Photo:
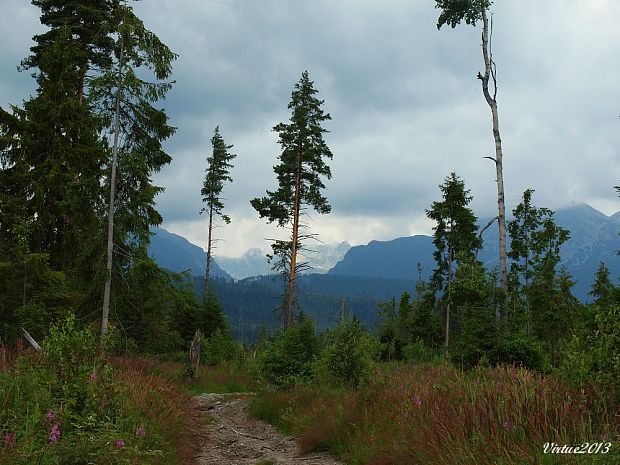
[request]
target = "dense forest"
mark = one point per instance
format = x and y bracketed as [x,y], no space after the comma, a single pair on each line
[77,201]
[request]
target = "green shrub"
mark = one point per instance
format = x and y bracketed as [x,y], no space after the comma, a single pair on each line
[288,359]
[349,355]
[519,349]
[220,349]
[418,351]
[594,352]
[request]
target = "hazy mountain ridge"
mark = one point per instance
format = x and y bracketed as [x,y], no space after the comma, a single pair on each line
[177,254]
[594,238]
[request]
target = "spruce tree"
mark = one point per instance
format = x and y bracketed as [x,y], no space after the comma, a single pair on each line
[300,172]
[126,102]
[455,236]
[56,155]
[90,25]
[217,173]
[522,230]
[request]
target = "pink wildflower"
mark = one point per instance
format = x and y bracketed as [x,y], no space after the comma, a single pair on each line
[119,443]
[508,425]
[477,381]
[51,416]
[54,434]
[9,439]
[93,376]
[140,432]
[417,400]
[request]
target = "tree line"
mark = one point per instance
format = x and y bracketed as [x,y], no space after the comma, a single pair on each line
[77,201]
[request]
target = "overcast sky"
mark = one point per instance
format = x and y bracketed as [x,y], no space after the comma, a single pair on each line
[405,104]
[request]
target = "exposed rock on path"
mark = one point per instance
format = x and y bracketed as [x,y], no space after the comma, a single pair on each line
[234,437]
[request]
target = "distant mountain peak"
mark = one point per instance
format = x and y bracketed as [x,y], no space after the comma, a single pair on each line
[177,254]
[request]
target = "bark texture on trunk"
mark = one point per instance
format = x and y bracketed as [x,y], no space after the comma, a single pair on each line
[205,294]
[489,74]
[110,245]
[295,236]
[447,340]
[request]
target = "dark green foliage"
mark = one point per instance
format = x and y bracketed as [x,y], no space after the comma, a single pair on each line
[90,25]
[289,358]
[475,302]
[302,157]
[541,302]
[388,331]
[455,234]
[522,350]
[455,11]
[143,127]
[219,348]
[603,290]
[412,331]
[54,155]
[349,355]
[426,323]
[593,354]
[300,179]
[148,306]
[217,173]
[527,220]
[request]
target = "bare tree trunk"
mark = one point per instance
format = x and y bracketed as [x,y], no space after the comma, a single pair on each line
[291,279]
[447,341]
[205,295]
[110,248]
[489,73]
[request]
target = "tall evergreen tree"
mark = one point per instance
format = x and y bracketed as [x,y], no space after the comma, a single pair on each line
[90,25]
[454,235]
[474,295]
[56,155]
[217,173]
[126,102]
[453,12]
[300,172]
[523,230]
[551,302]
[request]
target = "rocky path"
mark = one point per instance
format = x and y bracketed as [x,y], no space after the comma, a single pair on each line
[234,437]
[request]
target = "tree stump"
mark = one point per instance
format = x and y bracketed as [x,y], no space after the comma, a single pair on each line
[194,355]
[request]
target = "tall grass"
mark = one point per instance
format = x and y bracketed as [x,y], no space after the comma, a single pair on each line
[220,379]
[441,415]
[118,413]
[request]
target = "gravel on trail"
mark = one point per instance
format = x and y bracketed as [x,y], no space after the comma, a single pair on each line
[234,437]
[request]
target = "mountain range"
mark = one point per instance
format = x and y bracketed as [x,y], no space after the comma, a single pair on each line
[320,257]
[594,238]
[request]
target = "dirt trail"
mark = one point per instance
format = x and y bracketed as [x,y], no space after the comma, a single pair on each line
[234,437]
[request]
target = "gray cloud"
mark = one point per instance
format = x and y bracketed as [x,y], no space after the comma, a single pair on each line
[406,106]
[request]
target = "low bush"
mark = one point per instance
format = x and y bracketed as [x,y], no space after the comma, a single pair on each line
[289,358]
[349,355]
[220,349]
[519,349]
